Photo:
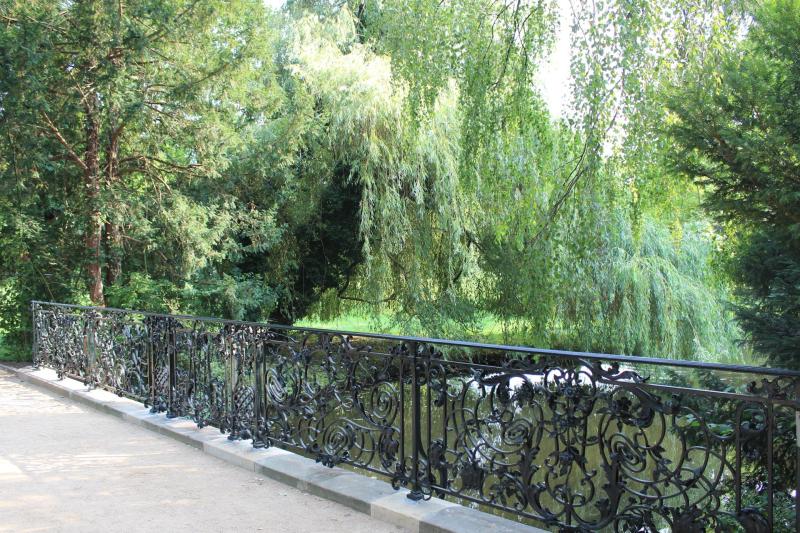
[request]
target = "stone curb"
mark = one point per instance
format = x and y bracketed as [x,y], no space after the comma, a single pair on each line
[359,492]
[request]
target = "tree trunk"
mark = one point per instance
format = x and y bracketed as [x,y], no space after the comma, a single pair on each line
[113,233]
[94,230]
[93,239]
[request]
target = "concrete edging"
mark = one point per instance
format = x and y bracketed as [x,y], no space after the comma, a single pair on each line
[364,494]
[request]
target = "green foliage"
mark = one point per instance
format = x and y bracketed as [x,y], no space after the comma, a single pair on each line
[119,120]
[384,159]
[489,50]
[645,291]
[738,136]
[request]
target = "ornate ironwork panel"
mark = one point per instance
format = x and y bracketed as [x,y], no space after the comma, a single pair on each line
[564,440]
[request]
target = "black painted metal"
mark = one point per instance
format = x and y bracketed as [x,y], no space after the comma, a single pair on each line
[574,441]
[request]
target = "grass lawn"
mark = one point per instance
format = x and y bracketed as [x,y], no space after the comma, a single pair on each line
[357,323]
[489,330]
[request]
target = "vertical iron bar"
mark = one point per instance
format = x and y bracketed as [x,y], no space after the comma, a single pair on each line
[428,413]
[258,363]
[737,473]
[35,340]
[194,365]
[253,346]
[227,351]
[797,470]
[770,473]
[443,481]
[403,432]
[233,432]
[210,390]
[90,353]
[148,352]
[171,348]
[416,490]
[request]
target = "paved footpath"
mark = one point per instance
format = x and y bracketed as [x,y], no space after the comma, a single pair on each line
[65,467]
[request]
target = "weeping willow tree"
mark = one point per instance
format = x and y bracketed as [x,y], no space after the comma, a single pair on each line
[667,292]
[406,173]
[453,92]
[478,203]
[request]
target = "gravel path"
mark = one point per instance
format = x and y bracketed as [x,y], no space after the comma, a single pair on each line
[65,467]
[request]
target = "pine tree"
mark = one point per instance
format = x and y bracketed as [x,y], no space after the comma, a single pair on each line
[738,133]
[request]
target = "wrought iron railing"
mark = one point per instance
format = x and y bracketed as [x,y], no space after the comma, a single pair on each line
[572,441]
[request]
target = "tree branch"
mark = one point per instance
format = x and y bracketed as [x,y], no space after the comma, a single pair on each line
[72,155]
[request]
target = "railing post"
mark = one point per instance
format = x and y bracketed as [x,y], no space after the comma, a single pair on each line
[151,374]
[416,423]
[173,382]
[90,352]
[257,359]
[260,376]
[37,361]
[797,468]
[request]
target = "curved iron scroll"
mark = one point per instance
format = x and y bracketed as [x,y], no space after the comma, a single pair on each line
[573,442]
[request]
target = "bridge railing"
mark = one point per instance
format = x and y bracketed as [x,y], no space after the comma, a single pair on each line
[569,440]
